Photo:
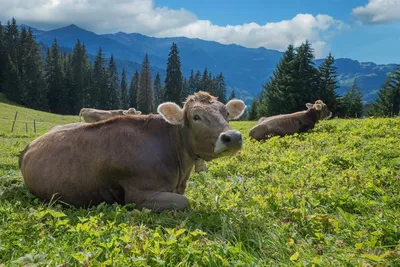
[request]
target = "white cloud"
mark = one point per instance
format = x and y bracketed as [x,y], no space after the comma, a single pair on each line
[378,11]
[104,16]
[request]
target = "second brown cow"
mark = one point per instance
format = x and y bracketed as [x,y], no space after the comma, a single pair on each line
[287,124]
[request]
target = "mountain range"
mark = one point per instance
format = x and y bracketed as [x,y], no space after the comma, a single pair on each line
[245,69]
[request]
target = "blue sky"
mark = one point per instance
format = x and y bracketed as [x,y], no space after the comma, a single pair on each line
[365,30]
[371,42]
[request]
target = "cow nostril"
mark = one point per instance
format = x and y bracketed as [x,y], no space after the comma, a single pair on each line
[225,138]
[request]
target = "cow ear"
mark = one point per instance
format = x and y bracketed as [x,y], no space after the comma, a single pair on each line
[235,108]
[309,105]
[171,112]
[318,106]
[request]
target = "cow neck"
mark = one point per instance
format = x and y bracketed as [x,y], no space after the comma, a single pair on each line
[186,143]
[312,114]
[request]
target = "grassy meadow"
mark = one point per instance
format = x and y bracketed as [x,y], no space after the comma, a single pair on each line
[330,197]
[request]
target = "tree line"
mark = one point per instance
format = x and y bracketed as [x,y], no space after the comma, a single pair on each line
[297,81]
[64,83]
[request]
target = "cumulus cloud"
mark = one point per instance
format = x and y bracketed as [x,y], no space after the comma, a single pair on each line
[378,12]
[104,16]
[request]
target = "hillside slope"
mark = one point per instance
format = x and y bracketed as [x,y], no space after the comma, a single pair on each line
[329,197]
[25,119]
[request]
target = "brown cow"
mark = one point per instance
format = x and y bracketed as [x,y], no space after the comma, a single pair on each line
[145,160]
[132,111]
[288,124]
[94,115]
[199,164]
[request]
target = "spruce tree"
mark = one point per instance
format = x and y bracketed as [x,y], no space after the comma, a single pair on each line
[12,40]
[232,95]
[173,81]
[55,79]
[133,88]
[99,96]
[328,84]
[124,91]
[279,93]
[253,113]
[191,84]
[305,78]
[3,56]
[145,91]
[197,81]
[220,88]
[35,83]
[352,102]
[205,81]
[71,95]
[157,91]
[388,99]
[113,85]
[12,79]
[80,79]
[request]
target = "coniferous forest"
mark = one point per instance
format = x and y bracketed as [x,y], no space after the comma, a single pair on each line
[63,83]
[51,80]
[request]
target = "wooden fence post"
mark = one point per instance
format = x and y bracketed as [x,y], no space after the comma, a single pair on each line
[34,126]
[15,118]
[26,127]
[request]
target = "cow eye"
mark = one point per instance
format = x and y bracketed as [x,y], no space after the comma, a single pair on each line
[196,118]
[227,114]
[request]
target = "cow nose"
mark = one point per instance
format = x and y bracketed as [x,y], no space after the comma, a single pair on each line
[231,138]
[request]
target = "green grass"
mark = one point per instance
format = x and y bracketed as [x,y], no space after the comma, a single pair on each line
[330,197]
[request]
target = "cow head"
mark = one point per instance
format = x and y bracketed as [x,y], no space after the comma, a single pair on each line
[321,108]
[132,111]
[206,121]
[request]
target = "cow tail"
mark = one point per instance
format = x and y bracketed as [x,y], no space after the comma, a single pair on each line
[21,156]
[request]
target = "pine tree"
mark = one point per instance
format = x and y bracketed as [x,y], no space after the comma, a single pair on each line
[305,78]
[173,81]
[191,84]
[99,94]
[253,113]
[3,56]
[71,98]
[328,84]
[278,94]
[35,83]
[80,82]
[352,102]
[113,85]
[197,81]
[233,95]
[12,79]
[133,88]
[55,79]
[124,91]
[12,40]
[220,88]
[388,100]
[145,91]
[205,81]
[157,91]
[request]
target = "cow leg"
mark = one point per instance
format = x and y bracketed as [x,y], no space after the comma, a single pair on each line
[161,201]
[200,166]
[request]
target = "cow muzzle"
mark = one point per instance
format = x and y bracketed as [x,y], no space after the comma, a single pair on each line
[228,141]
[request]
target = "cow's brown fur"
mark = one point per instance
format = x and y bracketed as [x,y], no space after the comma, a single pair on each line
[287,124]
[94,115]
[127,159]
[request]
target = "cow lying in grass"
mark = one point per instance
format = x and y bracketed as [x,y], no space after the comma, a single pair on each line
[287,124]
[145,160]
[94,115]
